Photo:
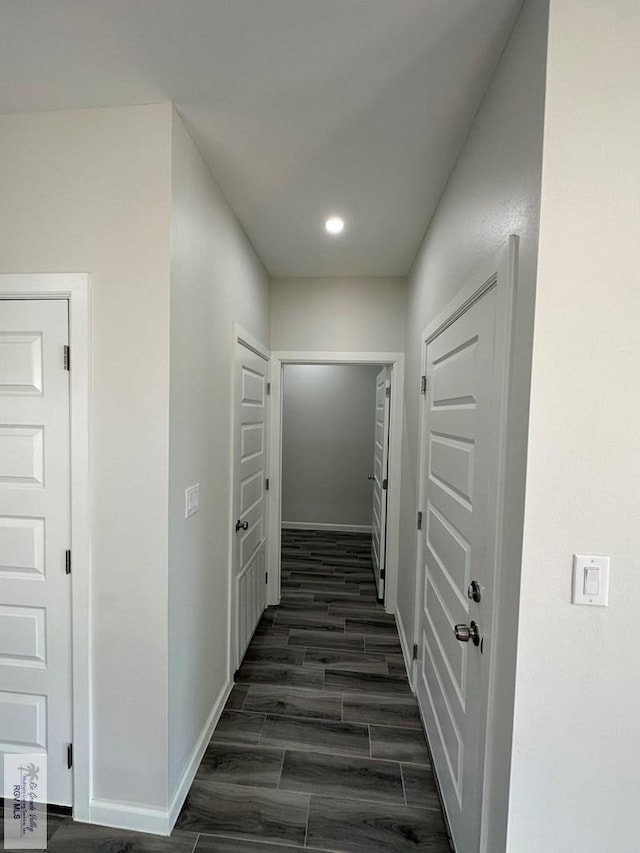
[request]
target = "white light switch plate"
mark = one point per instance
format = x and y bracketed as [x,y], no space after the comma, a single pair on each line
[192,500]
[590,580]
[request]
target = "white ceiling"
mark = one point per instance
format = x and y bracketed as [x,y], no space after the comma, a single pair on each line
[302,108]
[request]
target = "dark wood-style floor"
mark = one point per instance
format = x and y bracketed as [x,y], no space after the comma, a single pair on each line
[320,746]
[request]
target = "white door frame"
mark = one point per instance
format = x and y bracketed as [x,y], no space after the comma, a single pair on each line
[244,337]
[73,287]
[395,360]
[499,270]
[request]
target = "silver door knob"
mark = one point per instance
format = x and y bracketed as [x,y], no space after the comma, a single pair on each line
[371,477]
[464,633]
[242,525]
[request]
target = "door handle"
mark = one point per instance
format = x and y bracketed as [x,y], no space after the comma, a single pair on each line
[474,592]
[371,477]
[464,633]
[242,525]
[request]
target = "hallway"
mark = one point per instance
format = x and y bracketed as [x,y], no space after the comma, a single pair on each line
[320,744]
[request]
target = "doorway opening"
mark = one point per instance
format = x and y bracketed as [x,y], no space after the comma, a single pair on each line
[332,488]
[335,440]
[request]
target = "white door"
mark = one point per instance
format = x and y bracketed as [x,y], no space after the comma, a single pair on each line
[459,493]
[381,478]
[250,473]
[35,591]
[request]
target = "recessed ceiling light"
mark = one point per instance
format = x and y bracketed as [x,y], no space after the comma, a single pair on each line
[334,225]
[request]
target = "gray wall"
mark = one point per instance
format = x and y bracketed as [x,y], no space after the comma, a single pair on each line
[216,278]
[327,443]
[340,314]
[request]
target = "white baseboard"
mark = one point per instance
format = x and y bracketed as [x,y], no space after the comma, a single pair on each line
[195,758]
[129,816]
[406,649]
[317,525]
[155,820]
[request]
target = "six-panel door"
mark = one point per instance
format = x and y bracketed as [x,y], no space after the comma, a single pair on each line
[35,591]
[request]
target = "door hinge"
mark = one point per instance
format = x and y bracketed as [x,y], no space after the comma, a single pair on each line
[387,392]
[67,357]
[67,562]
[383,574]
[419,521]
[415,651]
[69,756]
[423,385]
[266,577]
[385,483]
[266,484]
[268,389]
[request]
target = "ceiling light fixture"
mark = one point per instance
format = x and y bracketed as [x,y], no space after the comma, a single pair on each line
[334,225]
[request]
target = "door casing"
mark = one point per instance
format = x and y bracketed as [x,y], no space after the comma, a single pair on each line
[498,270]
[394,360]
[74,288]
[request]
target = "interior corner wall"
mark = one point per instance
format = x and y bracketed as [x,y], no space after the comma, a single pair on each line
[216,279]
[576,752]
[493,192]
[88,191]
[328,434]
[339,315]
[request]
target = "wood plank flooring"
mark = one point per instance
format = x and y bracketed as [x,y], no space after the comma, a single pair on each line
[320,746]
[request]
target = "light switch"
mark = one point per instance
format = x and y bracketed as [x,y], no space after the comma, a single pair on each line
[192,500]
[590,580]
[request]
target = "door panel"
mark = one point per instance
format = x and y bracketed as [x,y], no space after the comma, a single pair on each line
[250,472]
[35,591]
[452,465]
[458,531]
[22,548]
[24,721]
[380,478]
[21,365]
[448,551]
